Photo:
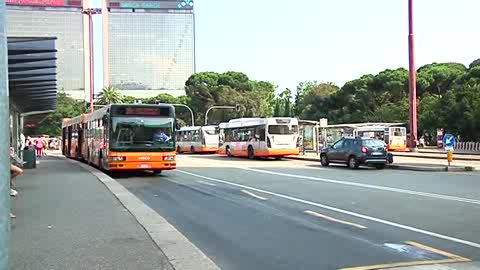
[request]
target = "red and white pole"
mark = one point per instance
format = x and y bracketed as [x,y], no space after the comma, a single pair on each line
[90,37]
[412,79]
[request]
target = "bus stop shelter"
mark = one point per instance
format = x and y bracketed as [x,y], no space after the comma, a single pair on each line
[32,82]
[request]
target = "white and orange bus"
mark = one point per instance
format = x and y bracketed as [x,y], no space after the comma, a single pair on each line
[126,137]
[395,137]
[200,139]
[259,137]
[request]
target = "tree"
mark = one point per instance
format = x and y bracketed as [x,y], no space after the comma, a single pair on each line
[438,78]
[207,89]
[316,103]
[67,107]
[475,63]
[110,95]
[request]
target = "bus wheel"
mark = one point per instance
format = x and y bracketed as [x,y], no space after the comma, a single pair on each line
[251,153]
[229,151]
[192,149]
[157,171]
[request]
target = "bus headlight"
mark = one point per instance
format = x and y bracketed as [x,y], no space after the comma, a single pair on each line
[169,158]
[118,158]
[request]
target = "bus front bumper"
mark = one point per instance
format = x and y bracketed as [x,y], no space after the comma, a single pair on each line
[134,165]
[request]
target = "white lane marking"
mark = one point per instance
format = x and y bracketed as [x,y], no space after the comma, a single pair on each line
[399,190]
[205,183]
[253,195]
[315,214]
[379,220]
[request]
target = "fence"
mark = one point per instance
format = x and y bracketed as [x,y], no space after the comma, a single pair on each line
[468,146]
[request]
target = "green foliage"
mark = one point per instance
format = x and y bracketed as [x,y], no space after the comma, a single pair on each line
[67,107]
[109,95]
[448,96]
[207,89]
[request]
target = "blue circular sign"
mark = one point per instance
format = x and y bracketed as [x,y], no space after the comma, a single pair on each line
[449,140]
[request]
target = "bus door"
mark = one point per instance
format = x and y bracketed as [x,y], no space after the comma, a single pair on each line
[69,140]
[80,140]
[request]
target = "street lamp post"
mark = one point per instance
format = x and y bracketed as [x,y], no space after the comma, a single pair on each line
[181,105]
[90,12]
[191,112]
[236,107]
[412,79]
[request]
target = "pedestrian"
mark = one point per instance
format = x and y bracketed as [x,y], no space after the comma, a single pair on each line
[39,146]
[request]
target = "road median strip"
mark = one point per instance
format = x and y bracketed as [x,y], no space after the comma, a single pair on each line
[408,167]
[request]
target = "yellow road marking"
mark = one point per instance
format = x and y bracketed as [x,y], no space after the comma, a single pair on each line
[438,251]
[254,195]
[452,258]
[315,214]
[400,264]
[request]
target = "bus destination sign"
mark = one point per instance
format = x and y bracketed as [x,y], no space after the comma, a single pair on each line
[142,111]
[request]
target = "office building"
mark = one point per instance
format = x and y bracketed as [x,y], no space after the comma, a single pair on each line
[149,46]
[62,19]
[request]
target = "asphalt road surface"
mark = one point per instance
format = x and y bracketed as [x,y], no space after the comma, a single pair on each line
[289,214]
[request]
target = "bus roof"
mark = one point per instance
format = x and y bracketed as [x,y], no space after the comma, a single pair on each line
[246,122]
[190,128]
[73,121]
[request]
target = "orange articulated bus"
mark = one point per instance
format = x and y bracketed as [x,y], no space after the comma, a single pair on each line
[128,137]
[259,137]
[72,137]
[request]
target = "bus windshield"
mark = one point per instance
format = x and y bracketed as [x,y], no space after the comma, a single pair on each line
[282,129]
[142,134]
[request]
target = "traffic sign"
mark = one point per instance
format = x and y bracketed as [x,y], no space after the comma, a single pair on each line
[449,140]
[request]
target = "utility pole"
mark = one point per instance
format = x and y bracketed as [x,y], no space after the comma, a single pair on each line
[412,79]
[90,12]
[4,145]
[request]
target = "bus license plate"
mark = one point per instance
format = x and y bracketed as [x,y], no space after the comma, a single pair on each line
[377,153]
[144,166]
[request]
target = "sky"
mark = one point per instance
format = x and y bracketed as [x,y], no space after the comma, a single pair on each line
[287,42]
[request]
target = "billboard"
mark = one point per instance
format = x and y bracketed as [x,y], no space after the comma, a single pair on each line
[45,3]
[180,4]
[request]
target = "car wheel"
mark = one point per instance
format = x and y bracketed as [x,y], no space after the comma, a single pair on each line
[157,171]
[178,150]
[353,163]
[380,166]
[251,153]
[324,160]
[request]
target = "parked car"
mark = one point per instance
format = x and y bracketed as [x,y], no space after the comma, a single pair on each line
[356,151]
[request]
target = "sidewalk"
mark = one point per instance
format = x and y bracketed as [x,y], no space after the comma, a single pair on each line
[67,219]
[417,163]
[432,154]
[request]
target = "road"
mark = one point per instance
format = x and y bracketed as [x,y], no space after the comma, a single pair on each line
[292,214]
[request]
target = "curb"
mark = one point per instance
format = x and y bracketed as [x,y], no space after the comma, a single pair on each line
[434,157]
[180,252]
[411,168]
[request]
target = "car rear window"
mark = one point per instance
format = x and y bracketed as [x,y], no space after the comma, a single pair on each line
[373,143]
